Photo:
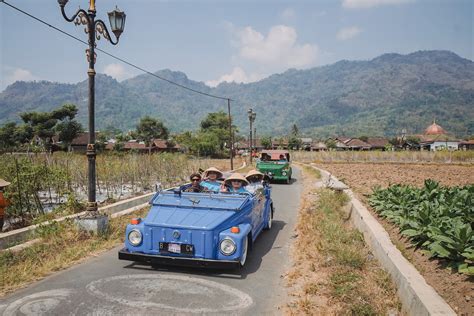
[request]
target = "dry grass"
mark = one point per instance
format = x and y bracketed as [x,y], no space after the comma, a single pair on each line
[334,271]
[61,246]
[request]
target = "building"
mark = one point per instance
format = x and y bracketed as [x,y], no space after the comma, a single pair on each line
[378,143]
[467,145]
[436,138]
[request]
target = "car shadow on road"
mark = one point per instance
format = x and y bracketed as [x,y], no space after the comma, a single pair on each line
[262,245]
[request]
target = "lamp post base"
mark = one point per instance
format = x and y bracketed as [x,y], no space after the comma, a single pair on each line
[97,224]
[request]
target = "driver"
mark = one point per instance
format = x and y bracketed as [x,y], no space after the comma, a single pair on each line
[195,185]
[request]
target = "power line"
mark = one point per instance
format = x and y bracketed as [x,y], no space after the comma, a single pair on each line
[115,57]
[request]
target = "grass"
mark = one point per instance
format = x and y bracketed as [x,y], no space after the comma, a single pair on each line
[313,172]
[61,246]
[334,271]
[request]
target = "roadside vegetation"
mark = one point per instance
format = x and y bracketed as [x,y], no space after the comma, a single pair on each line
[42,182]
[60,247]
[334,272]
[438,219]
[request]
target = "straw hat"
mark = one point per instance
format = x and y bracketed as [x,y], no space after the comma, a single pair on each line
[236,176]
[4,183]
[254,172]
[214,170]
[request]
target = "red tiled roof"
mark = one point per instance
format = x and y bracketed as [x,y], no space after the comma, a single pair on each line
[434,129]
[162,144]
[377,141]
[134,145]
[82,139]
[355,142]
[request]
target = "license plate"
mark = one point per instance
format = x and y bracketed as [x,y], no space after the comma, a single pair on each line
[184,249]
[175,248]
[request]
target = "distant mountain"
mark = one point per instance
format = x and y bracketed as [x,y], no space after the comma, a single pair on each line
[376,97]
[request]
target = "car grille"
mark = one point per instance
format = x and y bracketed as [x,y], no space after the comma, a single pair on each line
[202,240]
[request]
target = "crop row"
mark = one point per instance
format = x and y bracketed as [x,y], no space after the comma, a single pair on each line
[435,218]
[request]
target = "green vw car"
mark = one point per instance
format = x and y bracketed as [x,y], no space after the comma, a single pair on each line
[275,164]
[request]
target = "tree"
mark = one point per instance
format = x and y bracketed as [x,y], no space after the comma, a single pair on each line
[149,128]
[266,142]
[43,124]
[294,140]
[68,128]
[7,136]
[217,123]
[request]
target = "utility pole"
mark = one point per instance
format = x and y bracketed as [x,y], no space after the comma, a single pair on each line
[231,138]
[252,115]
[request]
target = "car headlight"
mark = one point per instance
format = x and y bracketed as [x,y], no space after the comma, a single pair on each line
[135,237]
[284,173]
[270,173]
[227,246]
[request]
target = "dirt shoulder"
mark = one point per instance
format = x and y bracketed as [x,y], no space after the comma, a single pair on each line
[333,270]
[455,288]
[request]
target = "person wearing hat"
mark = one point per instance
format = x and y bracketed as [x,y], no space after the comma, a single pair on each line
[195,185]
[235,183]
[210,179]
[255,179]
[3,202]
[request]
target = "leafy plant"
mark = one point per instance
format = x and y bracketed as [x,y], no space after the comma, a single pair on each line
[438,219]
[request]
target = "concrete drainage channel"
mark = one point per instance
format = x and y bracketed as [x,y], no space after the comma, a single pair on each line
[418,298]
[18,236]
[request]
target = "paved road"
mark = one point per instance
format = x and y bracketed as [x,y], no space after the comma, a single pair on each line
[106,286]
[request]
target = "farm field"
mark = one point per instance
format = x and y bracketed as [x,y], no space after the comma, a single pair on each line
[48,186]
[457,289]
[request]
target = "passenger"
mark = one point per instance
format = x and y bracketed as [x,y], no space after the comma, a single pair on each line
[210,179]
[195,185]
[235,184]
[255,179]
[282,158]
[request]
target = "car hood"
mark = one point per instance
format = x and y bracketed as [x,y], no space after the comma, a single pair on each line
[184,217]
[270,166]
[193,210]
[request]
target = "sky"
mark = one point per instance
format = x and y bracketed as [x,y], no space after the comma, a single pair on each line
[229,40]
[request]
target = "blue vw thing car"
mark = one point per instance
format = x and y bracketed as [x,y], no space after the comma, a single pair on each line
[213,230]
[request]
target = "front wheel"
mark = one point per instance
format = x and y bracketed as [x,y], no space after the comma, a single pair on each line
[268,226]
[245,247]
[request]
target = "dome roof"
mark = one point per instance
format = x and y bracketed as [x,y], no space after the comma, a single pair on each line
[434,129]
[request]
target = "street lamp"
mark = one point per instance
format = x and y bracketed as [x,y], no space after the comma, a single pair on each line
[252,115]
[95,29]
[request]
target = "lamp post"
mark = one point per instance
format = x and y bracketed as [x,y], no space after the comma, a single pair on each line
[94,29]
[231,138]
[252,115]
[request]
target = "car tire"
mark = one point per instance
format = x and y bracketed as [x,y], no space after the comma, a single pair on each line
[243,257]
[268,226]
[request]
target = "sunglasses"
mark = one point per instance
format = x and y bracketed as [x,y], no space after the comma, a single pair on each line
[193,180]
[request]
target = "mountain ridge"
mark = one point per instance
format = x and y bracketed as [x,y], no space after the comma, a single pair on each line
[367,97]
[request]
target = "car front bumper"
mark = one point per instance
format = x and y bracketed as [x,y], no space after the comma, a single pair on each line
[124,254]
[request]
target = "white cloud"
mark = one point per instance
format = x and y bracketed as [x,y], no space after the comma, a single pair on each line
[16,74]
[117,71]
[288,14]
[348,33]
[278,48]
[364,4]
[237,75]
